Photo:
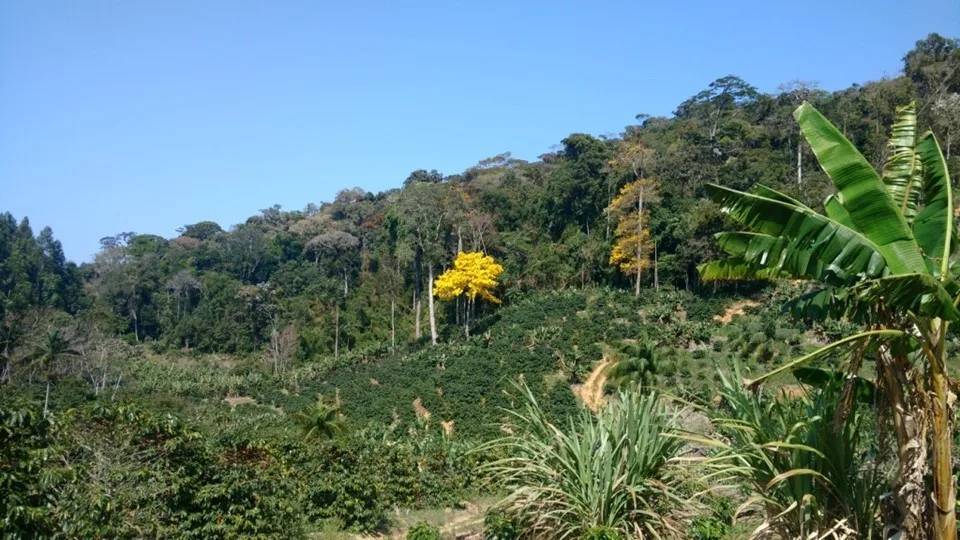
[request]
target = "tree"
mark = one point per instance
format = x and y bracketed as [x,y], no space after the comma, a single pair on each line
[934,66]
[946,110]
[799,92]
[881,255]
[181,286]
[421,176]
[576,192]
[339,248]
[636,363]
[53,348]
[721,96]
[283,345]
[321,420]
[473,274]
[632,249]
[203,230]
[423,209]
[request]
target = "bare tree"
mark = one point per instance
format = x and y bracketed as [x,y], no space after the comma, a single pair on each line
[283,345]
[799,91]
[946,110]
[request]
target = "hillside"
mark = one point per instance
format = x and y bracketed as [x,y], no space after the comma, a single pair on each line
[424,350]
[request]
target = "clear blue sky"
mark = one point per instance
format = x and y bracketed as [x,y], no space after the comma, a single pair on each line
[146,115]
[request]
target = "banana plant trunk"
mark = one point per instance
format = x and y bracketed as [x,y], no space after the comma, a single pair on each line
[944,491]
[911,435]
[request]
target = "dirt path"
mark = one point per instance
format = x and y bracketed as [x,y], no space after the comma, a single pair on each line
[737,308]
[592,390]
[470,519]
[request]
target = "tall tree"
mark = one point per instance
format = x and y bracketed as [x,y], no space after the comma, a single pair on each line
[51,350]
[424,212]
[633,247]
[337,248]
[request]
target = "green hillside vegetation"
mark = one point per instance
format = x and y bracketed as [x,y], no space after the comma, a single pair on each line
[633,369]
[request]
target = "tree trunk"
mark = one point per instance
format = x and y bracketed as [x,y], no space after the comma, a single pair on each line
[416,311]
[639,241]
[346,288]
[944,492]
[656,269]
[336,335]
[393,326]
[466,317]
[910,431]
[46,400]
[799,160]
[430,306]
[136,326]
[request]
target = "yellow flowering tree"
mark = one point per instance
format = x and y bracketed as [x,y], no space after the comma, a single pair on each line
[473,274]
[632,249]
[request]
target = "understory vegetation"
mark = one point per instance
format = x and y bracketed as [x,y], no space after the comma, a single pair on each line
[565,348]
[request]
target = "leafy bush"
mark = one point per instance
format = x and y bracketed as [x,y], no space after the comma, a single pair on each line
[135,474]
[602,532]
[716,524]
[29,440]
[423,531]
[497,526]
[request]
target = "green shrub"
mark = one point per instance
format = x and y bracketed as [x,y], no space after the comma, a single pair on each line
[717,524]
[423,531]
[497,526]
[136,474]
[602,532]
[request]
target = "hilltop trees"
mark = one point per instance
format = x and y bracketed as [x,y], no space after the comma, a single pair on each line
[570,219]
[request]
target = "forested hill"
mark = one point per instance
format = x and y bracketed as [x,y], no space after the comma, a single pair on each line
[354,273]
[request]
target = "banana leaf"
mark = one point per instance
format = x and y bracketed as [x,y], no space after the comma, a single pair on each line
[797,240]
[872,210]
[934,224]
[902,172]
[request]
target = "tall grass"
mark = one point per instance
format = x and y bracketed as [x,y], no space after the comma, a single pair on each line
[613,471]
[812,476]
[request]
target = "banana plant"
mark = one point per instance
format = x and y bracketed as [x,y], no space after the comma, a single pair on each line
[879,254]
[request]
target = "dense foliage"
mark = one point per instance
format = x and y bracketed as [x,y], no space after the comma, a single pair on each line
[348,271]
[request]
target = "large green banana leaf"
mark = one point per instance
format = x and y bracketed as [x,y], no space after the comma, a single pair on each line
[934,224]
[771,193]
[820,304]
[736,269]
[902,172]
[920,294]
[835,211]
[796,240]
[864,195]
[843,347]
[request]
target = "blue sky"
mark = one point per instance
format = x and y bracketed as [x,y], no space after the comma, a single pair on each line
[146,115]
